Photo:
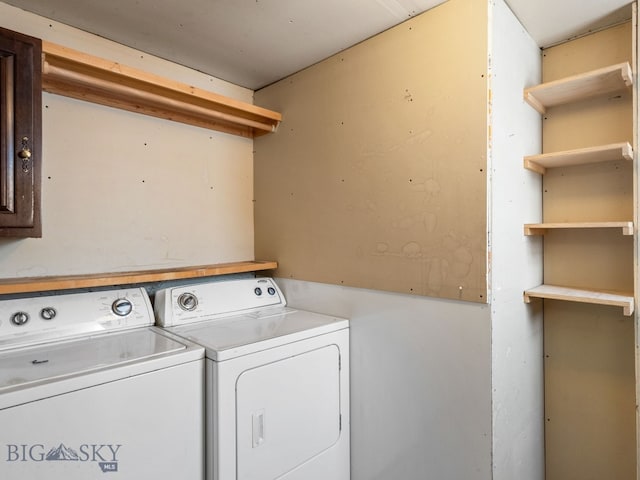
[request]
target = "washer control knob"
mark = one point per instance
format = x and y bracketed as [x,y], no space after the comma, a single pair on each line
[257,291]
[271,290]
[19,318]
[48,313]
[187,301]
[122,307]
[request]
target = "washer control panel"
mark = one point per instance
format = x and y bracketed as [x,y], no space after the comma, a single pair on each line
[25,321]
[206,301]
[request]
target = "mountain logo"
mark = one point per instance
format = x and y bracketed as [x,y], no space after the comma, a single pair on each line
[61,452]
[104,455]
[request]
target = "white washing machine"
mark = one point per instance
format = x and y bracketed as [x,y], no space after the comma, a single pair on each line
[277,384]
[89,389]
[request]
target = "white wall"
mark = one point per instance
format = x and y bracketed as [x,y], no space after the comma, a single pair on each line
[516,260]
[420,381]
[125,192]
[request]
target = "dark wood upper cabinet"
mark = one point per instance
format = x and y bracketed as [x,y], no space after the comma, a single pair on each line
[20,134]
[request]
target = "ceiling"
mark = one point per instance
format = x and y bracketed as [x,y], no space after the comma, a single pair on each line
[253,43]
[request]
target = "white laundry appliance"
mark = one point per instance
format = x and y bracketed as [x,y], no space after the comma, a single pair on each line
[90,389]
[277,380]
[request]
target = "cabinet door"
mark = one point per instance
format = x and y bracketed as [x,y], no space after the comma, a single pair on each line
[20,134]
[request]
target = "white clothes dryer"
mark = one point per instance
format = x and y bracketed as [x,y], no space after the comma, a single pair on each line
[277,380]
[90,389]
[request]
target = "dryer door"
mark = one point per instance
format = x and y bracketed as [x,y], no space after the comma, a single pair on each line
[287,412]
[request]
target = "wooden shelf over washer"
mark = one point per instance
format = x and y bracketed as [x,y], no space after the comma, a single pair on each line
[79,75]
[598,297]
[541,228]
[41,284]
[581,156]
[579,87]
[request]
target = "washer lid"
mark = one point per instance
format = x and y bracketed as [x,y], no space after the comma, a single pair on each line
[26,366]
[230,337]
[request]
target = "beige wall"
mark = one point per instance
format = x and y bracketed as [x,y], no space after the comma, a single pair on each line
[589,350]
[377,175]
[124,192]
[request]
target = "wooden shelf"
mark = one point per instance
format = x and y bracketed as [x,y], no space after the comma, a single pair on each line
[41,284]
[78,75]
[541,228]
[579,87]
[582,296]
[580,156]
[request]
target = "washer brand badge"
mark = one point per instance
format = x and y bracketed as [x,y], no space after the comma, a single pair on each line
[105,455]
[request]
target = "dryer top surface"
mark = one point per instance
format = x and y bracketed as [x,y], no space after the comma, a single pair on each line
[234,336]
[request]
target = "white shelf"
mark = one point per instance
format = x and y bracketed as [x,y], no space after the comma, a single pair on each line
[598,297]
[579,87]
[541,228]
[581,156]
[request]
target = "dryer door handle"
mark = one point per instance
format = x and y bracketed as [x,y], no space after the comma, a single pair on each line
[257,421]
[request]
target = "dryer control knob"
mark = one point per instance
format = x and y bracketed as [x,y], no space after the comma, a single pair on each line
[48,313]
[19,318]
[188,301]
[122,307]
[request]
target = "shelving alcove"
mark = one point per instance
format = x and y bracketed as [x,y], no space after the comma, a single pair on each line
[602,81]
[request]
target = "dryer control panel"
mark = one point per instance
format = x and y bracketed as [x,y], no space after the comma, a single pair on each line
[206,301]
